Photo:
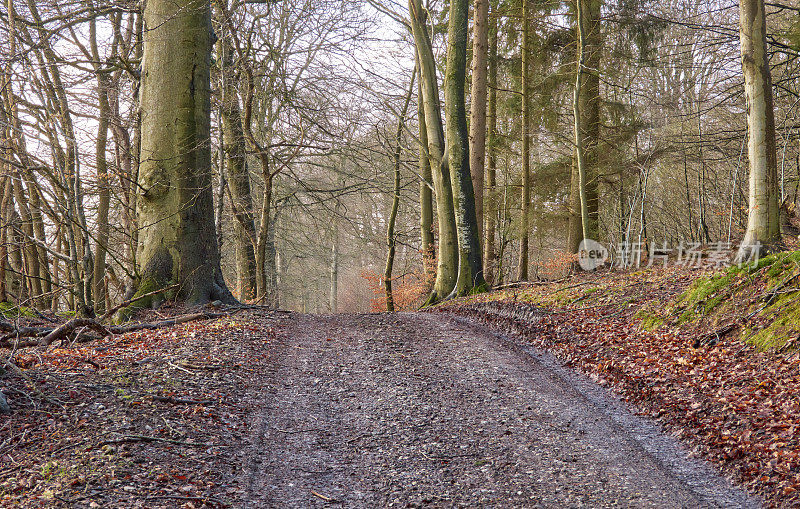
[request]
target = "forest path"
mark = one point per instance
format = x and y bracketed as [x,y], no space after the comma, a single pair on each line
[423,409]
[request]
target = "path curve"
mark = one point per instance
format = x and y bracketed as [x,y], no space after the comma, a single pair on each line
[429,410]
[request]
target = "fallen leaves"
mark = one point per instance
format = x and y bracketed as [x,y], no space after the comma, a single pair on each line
[126,429]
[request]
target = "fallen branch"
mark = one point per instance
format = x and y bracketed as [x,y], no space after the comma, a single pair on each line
[713,337]
[180,401]
[205,500]
[17,371]
[64,330]
[323,497]
[122,329]
[142,438]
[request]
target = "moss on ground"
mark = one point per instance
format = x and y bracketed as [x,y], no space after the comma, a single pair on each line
[9,310]
[765,293]
[706,294]
[650,319]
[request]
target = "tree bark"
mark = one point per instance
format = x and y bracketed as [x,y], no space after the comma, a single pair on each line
[177,242]
[425,193]
[490,203]
[587,106]
[470,265]
[391,239]
[333,297]
[477,126]
[103,198]
[447,263]
[238,177]
[763,223]
[525,198]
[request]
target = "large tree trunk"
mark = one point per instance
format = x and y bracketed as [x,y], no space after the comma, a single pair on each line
[525,198]
[490,204]
[763,224]
[477,126]
[587,122]
[447,264]
[174,204]
[238,178]
[470,264]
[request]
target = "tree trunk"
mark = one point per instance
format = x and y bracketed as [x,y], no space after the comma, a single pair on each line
[333,302]
[587,124]
[447,264]
[238,178]
[425,193]
[30,251]
[177,242]
[391,240]
[477,126]
[763,224]
[490,204]
[470,265]
[103,198]
[525,198]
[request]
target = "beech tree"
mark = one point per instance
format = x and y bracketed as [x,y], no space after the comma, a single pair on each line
[301,148]
[470,265]
[174,208]
[478,97]
[447,254]
[763,219]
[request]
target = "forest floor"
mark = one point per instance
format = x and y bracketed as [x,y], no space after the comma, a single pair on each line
[265,409]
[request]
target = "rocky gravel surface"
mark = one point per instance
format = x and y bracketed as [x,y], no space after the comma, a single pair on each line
[429,410]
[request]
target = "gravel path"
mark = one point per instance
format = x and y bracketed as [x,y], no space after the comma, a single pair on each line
[418,409]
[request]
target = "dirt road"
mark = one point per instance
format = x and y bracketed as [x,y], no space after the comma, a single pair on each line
[420,410]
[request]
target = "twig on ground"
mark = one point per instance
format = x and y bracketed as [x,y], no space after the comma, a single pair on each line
[292,432]
[128,302]
[180,368]
[142,438]
[180,401]
[205,500]
[323,497]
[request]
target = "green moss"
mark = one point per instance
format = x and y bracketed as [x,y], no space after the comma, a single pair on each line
[146,285]
[782,319]
[650,320]
[704,295]
[9,310]
[770,289]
